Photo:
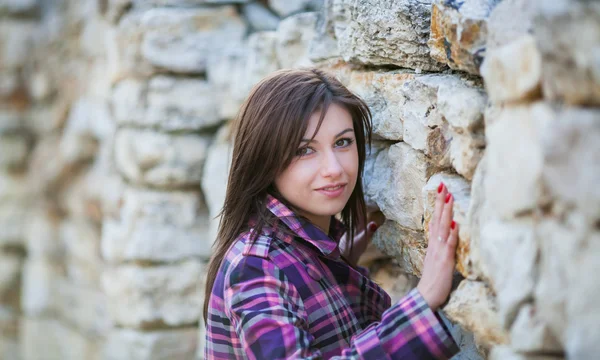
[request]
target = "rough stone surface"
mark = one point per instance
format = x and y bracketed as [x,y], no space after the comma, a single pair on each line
[324,45]
[530,334]
[385,32]
[506,353]
[294,35]
[127,344]
[142,159]
[144,297]
[513,72]
[175,221]
[288,7]
[459,32]
[472,306]
[166,102]
[18,6]
[407,246]
[259,17]
[504,27]
[16,41]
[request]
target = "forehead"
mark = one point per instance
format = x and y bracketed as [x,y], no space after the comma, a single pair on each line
[336,119]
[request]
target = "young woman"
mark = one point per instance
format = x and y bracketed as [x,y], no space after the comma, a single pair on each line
[279,286]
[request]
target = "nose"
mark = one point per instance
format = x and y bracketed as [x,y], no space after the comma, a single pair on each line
[331,167]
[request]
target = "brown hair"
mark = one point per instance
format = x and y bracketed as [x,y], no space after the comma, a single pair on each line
[267,133]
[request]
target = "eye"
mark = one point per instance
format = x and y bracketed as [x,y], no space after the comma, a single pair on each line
[304,151]
[344,142]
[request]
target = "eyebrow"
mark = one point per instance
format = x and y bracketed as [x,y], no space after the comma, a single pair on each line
[335,137]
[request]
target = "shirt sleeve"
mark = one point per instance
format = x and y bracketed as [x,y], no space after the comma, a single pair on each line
[271,322]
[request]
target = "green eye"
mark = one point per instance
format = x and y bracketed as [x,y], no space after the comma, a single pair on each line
[304,151]
[343,142]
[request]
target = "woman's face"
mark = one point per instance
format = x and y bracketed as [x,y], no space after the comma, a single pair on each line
[322,176]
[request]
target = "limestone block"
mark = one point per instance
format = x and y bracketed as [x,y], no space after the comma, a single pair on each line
[396,36]
[172,39]
[83,307]
[513,72]
[324,44]
[399,175]
[285,8]
[380,91]
[262,59]
[294,36]
[226,75]
[216,173]
[9,328]
[407,246]
[459,32]
[472,306]
[461,191]
[515,159]
[509,21]
[259,17]
[81,239]
[158,159]
[395,282]
[166,102]
[18,6]
[530,334]
[469,349]
[141,297]
[127,344]
[570,61]
[47,338]
[509,253]
[14,149]
[38,293]
[41,234]
[504,352]
[16,42]
[369,170]
[16,199]
[157,226]
[10,279]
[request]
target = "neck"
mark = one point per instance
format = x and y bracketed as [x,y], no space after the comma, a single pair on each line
[322,222]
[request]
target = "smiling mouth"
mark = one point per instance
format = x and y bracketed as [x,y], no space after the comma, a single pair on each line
[332,188]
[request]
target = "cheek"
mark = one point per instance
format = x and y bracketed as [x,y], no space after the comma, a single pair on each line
[349,162]
[295,178]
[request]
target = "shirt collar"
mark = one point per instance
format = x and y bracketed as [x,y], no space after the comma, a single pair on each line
[326,244]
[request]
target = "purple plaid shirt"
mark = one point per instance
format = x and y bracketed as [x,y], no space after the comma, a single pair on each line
[287,296]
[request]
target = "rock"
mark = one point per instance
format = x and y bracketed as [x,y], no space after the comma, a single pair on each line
[294,36]
[146,297]
[259,17]
[81,239]
[157,226]
[14,149]
[513,72]
[515,159]
[472,306]
[571,68]
[38,292]
[41,236]
[9,327]
[128,344]
[141,157]
[507,353]
[172,39]
[509,254]
[469,349]
[399,175]
[166,102]
[530,334]
[10,279]
[324,45]
[216,173]
[407,246]
[380,91]
[16,42]
[394,281]
[18,6]
[83,307]
[288,7]
[262,59]
[503,27]
[369,170]
[226,75]
[397,36]
[459,31]
[461,191]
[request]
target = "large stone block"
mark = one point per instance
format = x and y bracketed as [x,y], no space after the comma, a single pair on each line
[151,296]
[294,36]
[10,279]
[18,6]
[157,159]
[459,32]
[261,60]
[395,36]
[324,45]
[530,333]
[14,149]
[38,294]
[394,281]
[172,39]
[157,226]
[285,8]
[407,246]
[226,75]
[259,17]
[472,306]
[9,328]
[513,72]
[570,63]
[508,21]
[505,352]
[82,307]
[398,177]
[127,344]
[166,102]
[16,42]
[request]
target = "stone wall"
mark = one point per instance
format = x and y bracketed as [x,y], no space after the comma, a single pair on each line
[114,156]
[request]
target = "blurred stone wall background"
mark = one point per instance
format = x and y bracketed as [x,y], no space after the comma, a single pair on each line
[114,154]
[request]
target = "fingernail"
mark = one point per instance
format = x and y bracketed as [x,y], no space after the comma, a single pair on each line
[448,197]
[372,227]
[453,225]
[441,187]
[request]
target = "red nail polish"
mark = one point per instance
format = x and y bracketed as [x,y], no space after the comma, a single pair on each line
[372,227]
[441,187]
[453,225]
[448,197]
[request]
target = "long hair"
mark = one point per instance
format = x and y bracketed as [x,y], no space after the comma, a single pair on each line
[267,132]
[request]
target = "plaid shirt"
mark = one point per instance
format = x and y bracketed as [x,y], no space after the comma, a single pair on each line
[293,297]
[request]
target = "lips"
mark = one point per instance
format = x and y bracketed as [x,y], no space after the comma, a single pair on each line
[332,187]
[332,191]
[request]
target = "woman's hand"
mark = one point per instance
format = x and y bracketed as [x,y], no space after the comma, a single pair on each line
[361,240]
[438,266]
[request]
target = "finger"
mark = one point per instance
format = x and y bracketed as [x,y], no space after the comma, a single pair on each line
[437,212]
[453,238]
[360,238]
[444,225]
[376,217]
[371,228]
